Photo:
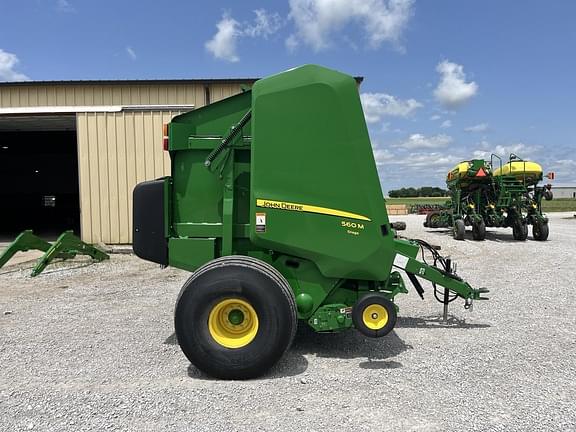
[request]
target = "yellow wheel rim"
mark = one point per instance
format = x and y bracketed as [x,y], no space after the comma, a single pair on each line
[233,323]
[375,316]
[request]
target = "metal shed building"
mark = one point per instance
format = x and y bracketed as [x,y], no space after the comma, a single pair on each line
[564,191]
[72,151]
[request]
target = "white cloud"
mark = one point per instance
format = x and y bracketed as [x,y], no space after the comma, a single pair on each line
[265,24]
[378,105]
[481,154]
[419,141]
[435,117]
[223,44]
[453,90]
[564,170]
[8,62]
[446,124]
[520,149]
[438,162]
[65,6]
[565,163]
[318,21]
[131,53]
[291,43]
[426,168]
[381,156]
[481,127]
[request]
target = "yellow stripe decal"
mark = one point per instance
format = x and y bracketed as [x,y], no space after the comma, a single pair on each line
[282,205]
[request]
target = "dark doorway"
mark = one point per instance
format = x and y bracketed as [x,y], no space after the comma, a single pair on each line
[38,183]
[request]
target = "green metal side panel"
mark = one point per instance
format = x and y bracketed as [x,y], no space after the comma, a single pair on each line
[313,175]
[191,253]
[197,192]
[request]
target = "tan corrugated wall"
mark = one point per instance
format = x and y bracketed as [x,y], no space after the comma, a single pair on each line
[79,95]
[116,151]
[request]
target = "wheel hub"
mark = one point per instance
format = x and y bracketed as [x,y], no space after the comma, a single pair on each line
[236,317]
[375,316]
[233,323]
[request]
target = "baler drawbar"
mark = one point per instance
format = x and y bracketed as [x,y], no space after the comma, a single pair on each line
[275,204]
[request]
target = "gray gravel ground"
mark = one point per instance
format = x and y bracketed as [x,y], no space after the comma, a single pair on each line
[90,347]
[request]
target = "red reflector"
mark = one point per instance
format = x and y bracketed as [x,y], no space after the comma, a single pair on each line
[165,136]
[481,173]
[550,176]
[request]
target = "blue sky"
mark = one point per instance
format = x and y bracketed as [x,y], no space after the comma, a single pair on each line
[444,80]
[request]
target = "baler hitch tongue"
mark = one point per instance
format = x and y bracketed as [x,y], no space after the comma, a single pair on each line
[479,291]
[468,303]
[448,286]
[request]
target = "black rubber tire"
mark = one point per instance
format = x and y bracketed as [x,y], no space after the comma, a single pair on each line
[432,219]
[367,300]
[435,219]
[540,231]
[479,230]
[520,231]
[253,281]
[548,195]
[459,229]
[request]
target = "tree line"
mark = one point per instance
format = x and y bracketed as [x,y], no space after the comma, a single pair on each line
[411,192]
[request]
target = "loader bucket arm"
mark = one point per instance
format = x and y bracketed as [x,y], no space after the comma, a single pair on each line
[70,245]
[26,241]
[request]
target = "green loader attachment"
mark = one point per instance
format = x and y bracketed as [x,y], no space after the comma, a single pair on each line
[66,246]
[275,204]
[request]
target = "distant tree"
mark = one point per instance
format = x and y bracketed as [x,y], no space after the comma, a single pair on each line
[425,191]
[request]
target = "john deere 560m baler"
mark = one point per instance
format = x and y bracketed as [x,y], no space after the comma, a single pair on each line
[275,204]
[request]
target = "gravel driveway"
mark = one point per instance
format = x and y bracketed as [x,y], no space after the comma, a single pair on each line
[91,347]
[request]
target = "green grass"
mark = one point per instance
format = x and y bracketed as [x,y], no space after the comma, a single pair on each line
[419,200]
[556,205]
[559,205]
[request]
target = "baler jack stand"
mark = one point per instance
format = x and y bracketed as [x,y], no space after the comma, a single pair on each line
[446,299]
[68,244]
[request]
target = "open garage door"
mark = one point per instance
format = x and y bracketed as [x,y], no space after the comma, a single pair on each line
[38,175]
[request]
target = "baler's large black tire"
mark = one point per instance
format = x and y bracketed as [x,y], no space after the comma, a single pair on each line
[540,231]
[520,231]
[479,230]
[374,315]
[268,309]
[459,229]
